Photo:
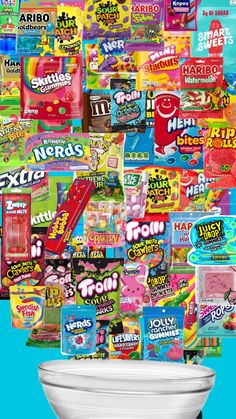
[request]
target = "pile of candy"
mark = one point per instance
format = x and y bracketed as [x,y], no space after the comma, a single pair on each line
[118,175]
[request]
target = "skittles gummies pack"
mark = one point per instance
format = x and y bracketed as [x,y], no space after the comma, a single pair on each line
[163,333]
[51,87]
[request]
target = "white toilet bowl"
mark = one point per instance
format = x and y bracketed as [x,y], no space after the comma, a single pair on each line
[125,389]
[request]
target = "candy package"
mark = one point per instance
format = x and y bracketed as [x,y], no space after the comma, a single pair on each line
[139,148]
[97,112]
[9,11]
[113,57]
[178,142]
[107,20]
[58,272]
[57,152]
[181,292]
[146,26]
[211,346]
[125,339]
[194,186]
[54,300]
[135,292]
[180,16]
[216,321]
[163,193]
[78,330]
[9,79]
[104,224]
[201,88]
[180,226]
[51,87]
[28,272]
[102,342]
[98,284]
[147,243]
[163,333]
[106,166]
[47,336]
[27,306]
[193,356]
[216,285]
[16,224]
[136,186]
[127,106]
[69,27]
[179,41]
[158,70]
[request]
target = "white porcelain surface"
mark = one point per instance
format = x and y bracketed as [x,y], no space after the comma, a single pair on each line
[125,389]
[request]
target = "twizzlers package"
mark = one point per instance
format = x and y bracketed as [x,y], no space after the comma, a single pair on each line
[98,284]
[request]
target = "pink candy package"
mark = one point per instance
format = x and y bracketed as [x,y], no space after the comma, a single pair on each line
[135,292]
[51,87]
[216,285]
[136,186]
[181,15]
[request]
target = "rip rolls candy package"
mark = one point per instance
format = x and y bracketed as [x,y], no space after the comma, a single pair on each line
[178,142]
[180,15]
[51,87]
[78,330]
[69,28]
[201,88]
[107,19]
[147,242]
[163,333]
[68,215]
[216,285]
[98,284]
[136,185]
[217,321]
[127,106]
[125,339]
[146,26]
[16,224]
[57,152]
[135,292]
[27,306]
[213,241]
[163,193]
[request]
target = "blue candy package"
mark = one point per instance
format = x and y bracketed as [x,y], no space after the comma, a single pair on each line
[163,334]
[139,148]
[128,106]
[78,330]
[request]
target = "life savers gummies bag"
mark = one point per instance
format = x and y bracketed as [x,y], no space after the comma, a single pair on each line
[163,333]
[51,87]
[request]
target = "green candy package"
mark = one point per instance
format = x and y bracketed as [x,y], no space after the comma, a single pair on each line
[98,284]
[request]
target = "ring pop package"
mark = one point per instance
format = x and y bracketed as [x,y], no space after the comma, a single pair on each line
[220,155]
[16,224]
[69,28]
[78,330]
[216,285]
[125,339]
[51,87]
[98,284]
[180,226]
[213,241]
[217,321]
[163,333]
[146,26]
[107,20]
[127,106]
[180,15]
[136,186]
[201,88]
[147,242]
[163,193]
[27,306]
[135,292]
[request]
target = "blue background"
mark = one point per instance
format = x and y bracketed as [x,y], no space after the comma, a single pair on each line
[22,396]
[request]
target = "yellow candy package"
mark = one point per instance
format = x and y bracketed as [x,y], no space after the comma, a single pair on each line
[163,189]
[69,27]
[107,19]
[27,306]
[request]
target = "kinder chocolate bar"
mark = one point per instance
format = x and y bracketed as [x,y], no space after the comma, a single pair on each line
[16,224]
[181,15]
[51,87]
[68,215]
